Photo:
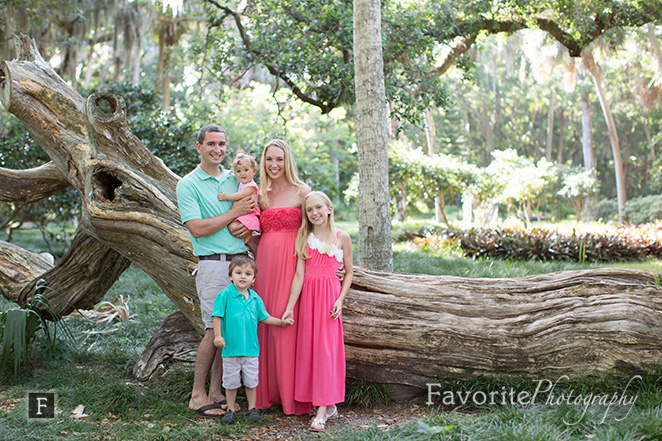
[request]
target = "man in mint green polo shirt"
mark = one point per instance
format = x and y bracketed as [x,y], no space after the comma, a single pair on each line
[207,220]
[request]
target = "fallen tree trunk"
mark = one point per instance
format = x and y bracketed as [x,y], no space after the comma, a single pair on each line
[400,329]
[78,280]
[409,330]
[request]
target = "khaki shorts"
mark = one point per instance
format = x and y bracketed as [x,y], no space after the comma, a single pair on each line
[211,279]
[236,369]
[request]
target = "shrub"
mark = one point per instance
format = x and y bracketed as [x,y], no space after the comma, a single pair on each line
[644,209]
[604,210]
[626,243]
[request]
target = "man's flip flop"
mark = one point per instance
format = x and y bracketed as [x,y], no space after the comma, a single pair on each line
[202,411]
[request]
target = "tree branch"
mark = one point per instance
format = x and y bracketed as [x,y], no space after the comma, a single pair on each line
[273,70]
[31,185]
[463,45]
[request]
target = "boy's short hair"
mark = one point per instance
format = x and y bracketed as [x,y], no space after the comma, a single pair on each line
[241,260]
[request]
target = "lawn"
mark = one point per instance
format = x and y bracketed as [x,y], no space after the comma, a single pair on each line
[96,371]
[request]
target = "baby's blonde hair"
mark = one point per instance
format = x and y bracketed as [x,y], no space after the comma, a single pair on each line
[244,158]
[301,244]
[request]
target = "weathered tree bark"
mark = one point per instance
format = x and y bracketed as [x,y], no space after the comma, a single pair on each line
[175,340]
[80,278]
[19,267]
[375,249]
[31,185]
[406,329]
[128,194]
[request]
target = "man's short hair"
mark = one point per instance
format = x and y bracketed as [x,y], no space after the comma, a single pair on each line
[210,128]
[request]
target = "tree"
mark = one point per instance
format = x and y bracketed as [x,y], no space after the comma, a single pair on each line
[596,73]
[524,180]
[579,185]
[372,136]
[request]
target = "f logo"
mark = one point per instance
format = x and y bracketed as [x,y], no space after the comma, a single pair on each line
[41,405]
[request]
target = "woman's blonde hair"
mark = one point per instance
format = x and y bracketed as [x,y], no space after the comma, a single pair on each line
[301,244]
[291,173]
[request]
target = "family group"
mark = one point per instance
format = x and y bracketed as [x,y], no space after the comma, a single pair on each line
[272,275]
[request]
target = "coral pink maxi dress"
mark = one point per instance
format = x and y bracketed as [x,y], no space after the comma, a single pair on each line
[320,357]
[276,263]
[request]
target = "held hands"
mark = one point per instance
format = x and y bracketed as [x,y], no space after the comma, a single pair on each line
[288,318]
[222,196]
[337,309]
[219,342]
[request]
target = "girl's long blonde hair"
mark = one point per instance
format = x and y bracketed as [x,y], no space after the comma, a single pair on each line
[301,244]
[291,173]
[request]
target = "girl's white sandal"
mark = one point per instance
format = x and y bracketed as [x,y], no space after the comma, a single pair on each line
[318,425]
[333,414]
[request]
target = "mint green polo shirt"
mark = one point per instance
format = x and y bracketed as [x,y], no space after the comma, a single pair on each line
[240,317]
[197,197]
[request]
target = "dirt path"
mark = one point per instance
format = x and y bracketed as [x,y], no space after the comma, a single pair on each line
[290,428]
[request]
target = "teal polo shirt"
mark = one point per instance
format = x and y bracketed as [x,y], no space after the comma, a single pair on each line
[240,318]
[197,197]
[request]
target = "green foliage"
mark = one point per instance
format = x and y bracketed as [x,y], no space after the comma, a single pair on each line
[309,45]
[365,394]
[603,210]
[19,328]
[19,151]
[578,186]
[644,209]
[416,178]
[656,176]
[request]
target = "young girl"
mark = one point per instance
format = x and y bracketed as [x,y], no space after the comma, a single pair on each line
[320,350]
[245,167]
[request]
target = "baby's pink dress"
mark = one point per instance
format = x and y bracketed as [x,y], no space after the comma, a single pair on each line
[251,220]
[320,354]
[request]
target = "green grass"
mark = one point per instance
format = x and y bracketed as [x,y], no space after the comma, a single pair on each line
[96,371]
[547,418]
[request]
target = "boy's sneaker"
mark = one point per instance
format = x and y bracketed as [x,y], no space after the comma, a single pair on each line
[228,418]
[254,415]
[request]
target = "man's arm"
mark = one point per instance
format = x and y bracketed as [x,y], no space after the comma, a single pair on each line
[205,227]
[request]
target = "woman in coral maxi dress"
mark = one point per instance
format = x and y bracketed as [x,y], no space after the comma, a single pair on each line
[282,195]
